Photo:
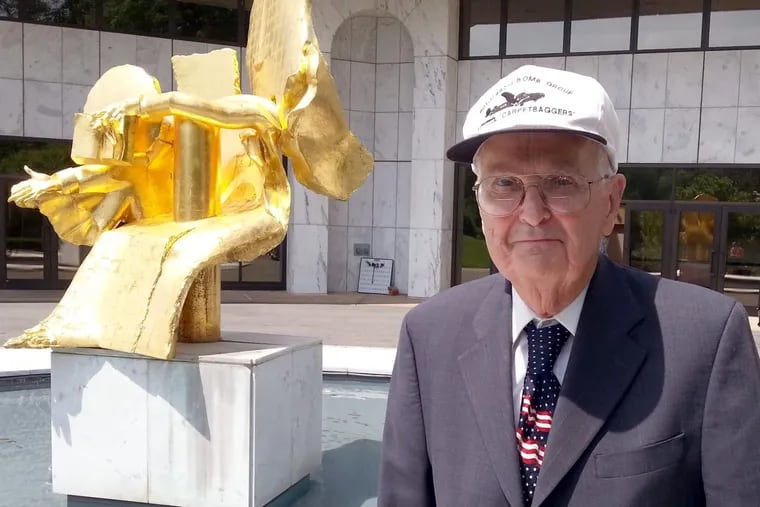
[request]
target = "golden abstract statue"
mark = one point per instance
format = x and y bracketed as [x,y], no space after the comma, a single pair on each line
[171,185]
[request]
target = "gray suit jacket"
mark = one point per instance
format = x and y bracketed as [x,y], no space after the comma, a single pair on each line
[660,404]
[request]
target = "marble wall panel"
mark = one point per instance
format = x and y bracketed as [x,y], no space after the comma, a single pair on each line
[74,98]
[747,129]
[681,135]
[717,136]
[403,194]
[388,40]
[615,75]
[42,52]
[364,39]
[307,259]
[386,136]
[362,86]
[11,50]
[650,71]
[12,112]
[646,135]
[684,79]
[42,109]
[384,198]
[401,261]
[387,87]
[81,56]
[749,83]
[337,259]
[720,87]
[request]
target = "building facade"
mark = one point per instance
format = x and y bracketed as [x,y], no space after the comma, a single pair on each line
[684,77]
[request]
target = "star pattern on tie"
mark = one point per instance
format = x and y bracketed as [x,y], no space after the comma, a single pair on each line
[539,399]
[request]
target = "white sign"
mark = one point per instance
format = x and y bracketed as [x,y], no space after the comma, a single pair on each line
[375,275]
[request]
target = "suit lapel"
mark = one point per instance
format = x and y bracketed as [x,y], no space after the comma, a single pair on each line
[603,363]
[487,371]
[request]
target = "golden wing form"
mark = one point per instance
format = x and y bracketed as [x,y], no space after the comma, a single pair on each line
[285,63]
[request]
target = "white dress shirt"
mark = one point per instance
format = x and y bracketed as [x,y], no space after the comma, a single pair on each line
[521,316]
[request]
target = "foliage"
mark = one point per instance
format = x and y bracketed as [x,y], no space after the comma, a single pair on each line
[474,253]
[694,183]
[46,157]
[137,16]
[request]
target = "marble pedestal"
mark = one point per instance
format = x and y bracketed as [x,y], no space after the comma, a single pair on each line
[233,423]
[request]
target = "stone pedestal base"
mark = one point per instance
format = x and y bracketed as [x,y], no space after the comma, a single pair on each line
[233,423]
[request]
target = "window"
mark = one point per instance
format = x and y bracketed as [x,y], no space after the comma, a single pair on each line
[9,9]
[147,17]
[735,23]
[481,20]
[80,13]
[647,183]
[601,25]
[735,184]
[210,21]
[535,28]
[42,156]
[665,24]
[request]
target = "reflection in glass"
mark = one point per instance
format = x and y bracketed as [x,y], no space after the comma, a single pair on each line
[646,241]
[197,19]
[61,12]
[666,24]
[648,183]
[137,16]
[742,270]
[481,22]
[267,268]
[734,23]
[535,28]
[726,185]
[696,235]
[70,257]
[10,9]
[475,260]
[600,25]
[24,255]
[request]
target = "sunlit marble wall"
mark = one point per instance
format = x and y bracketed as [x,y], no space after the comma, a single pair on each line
[680,107]
[47,71]
[395,66]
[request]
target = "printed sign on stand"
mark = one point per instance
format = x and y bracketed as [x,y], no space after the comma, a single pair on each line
[375,275]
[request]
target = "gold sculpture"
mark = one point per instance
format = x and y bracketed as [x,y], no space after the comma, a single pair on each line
[170,185]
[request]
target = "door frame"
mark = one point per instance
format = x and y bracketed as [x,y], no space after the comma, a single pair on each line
[668,248]
[748,209]
[671,226]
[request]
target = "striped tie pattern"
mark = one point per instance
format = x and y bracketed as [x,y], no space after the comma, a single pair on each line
[539,398]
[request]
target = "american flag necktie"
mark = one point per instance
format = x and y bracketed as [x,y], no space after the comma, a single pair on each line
[539,398]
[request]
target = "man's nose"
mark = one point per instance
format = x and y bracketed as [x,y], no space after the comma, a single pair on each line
[533,210]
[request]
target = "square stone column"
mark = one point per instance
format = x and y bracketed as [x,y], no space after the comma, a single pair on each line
[233,423]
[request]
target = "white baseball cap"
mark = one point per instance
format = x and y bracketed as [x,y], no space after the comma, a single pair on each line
[536,98]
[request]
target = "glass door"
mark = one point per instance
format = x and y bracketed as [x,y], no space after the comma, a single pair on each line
[698,243]
[645,243]
[739,263]
[29,252]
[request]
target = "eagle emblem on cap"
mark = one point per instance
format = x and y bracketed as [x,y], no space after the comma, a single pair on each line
[511,100]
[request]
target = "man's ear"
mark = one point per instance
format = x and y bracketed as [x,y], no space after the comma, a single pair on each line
[614,201]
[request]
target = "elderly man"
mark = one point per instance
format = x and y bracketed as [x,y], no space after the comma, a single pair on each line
[565,379]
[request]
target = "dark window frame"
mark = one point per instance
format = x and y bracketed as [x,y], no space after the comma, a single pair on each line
[633,47]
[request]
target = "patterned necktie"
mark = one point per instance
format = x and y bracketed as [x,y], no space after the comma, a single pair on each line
[539,398]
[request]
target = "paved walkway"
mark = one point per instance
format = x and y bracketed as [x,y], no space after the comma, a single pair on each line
[357,338]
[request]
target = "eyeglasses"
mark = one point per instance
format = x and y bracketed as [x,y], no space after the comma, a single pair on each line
[564,194]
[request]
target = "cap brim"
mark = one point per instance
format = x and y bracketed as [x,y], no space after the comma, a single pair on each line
[464,151]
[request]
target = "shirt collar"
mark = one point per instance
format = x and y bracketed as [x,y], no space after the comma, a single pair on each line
[568,317]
